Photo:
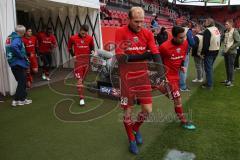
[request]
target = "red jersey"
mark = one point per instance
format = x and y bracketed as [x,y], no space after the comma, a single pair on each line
[134,43]
[129,42]
[30,44]
[173,56]
[46,42]
[134,76]
[81,45]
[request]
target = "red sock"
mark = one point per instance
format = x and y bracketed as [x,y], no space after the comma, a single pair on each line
[142,116]
[179,112]
[80,89]
[29,77]
[127,121]
[47,72]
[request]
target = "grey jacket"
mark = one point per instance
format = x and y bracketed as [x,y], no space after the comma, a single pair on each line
[233,48]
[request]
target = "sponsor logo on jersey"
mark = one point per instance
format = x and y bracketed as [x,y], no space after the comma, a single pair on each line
[176,58]
[135,39]
[30,45]
[136,49]
[82,46]
[47,41]
[178,50]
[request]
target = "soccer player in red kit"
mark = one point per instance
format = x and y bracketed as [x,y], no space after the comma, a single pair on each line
[47,42]
[81,46]
[31,44]
[173,53]
[133,42]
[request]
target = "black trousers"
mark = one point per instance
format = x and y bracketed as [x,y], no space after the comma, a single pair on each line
[47,62]
[236,62]
[229,65]
[20,76]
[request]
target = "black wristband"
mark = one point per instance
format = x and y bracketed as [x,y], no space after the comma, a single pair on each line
[138,57]
[71,52]
[159,66]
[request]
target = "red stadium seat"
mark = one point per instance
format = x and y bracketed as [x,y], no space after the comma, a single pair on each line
[106,22]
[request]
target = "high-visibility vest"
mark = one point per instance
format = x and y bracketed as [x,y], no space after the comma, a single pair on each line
[215,38]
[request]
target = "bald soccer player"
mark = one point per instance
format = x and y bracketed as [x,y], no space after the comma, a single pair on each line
[132,43]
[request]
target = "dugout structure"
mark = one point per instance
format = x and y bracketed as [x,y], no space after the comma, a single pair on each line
[64,16]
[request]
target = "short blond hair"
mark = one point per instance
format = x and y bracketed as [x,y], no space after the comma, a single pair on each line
[20,28]
[136,10]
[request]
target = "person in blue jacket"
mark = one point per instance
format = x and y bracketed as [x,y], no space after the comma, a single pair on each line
[18,61]
[191,42]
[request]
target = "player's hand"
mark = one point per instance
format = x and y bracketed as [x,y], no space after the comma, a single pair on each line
[183,69]
[166,80]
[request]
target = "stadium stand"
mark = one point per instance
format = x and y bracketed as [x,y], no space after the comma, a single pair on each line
[200,13]
[117,16]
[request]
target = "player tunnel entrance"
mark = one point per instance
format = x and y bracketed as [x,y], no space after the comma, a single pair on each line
[65,20]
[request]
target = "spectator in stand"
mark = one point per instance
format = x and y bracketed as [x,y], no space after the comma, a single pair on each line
[211,46]
[162,36]
[196,53]
[154,22]
[105,14]
[150,8]
[231,42]
[189,37]
[155,26]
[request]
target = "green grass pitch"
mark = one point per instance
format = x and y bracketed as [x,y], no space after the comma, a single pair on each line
[34,132]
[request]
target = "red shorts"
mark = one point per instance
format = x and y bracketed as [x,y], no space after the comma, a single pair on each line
[80,71]
[135,85]
[33,61]
[175,90]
